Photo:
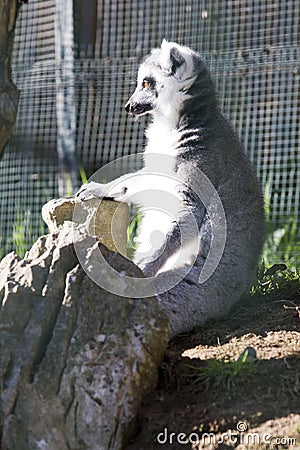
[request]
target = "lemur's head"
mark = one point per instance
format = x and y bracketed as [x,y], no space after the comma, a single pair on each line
[164,80]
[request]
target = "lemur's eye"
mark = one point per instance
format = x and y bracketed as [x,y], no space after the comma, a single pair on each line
[146,85]
[149,83]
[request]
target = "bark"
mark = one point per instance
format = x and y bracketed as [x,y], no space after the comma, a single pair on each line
[9,94]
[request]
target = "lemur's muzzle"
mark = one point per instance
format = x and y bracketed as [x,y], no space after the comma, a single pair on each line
[139,103]
[136,108]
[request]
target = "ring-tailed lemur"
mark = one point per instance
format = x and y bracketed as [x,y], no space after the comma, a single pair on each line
[189,136]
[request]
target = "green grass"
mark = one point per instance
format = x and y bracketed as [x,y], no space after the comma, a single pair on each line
[283,241]
[22,229]
[22,235]
[83,175]
[224,372]
[283,244]
[276,282]
[132,231]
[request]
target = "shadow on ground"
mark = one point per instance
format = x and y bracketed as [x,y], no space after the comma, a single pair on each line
[257,408]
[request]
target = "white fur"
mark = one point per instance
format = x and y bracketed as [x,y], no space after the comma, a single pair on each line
[186,71]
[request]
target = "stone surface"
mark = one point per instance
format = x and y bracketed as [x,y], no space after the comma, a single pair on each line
[105,219]
[76,360]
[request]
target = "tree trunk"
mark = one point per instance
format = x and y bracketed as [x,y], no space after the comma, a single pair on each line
[9,94]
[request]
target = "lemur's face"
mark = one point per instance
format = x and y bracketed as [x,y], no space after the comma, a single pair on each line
[163,80]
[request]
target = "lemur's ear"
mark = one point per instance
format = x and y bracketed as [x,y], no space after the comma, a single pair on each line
[177,60]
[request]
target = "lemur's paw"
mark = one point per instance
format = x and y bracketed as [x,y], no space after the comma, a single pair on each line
[105,191]
[91,190]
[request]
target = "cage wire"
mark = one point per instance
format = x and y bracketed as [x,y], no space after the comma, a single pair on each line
[75,63]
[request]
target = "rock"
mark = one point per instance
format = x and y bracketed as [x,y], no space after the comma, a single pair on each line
[105,219]
[76,360]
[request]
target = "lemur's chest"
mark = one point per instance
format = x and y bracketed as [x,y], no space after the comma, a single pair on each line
[160,205]
[160,201]
[161,198]
[163,139]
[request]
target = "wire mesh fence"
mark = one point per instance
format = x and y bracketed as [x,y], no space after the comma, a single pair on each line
[74,87]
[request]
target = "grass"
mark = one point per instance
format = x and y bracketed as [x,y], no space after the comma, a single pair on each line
[283,242]
[83,175]
[22,229]
[132,232]
[276,282]
[224,372]
[23,234]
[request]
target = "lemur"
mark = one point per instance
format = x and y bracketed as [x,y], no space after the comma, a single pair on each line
[195,169]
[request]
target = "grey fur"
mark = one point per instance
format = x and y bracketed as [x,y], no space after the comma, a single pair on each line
[176,88]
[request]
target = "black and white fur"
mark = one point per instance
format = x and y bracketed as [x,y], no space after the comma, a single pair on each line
[188,133]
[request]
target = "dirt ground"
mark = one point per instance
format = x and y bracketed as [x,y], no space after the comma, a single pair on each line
[207,400]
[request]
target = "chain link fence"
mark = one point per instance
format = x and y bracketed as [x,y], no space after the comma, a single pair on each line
[75,63]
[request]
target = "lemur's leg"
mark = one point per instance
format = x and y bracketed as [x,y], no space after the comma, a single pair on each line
[184,243]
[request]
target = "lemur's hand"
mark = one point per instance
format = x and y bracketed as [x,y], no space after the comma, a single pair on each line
[98,190]
[91,190]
